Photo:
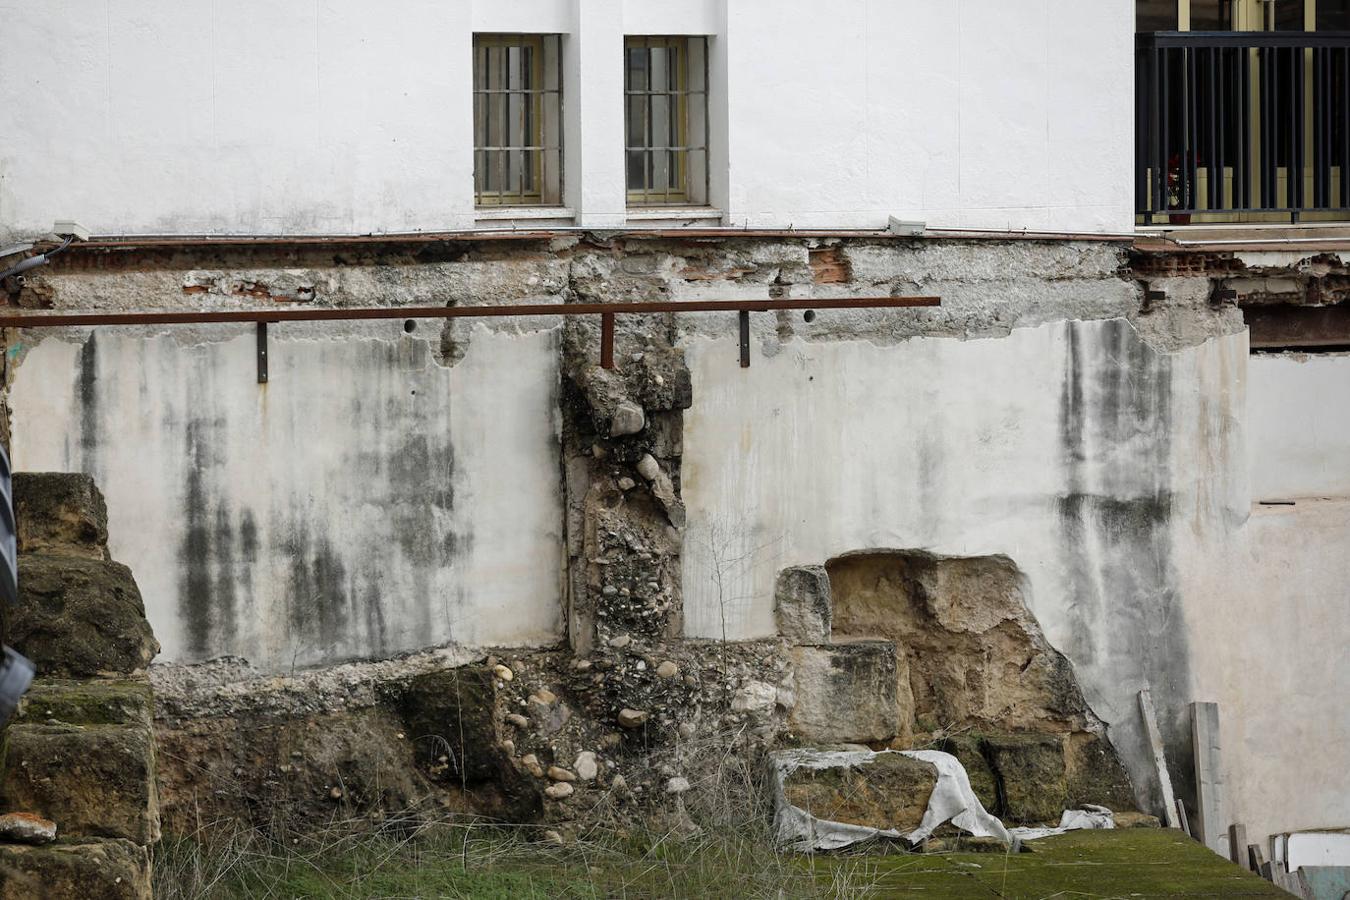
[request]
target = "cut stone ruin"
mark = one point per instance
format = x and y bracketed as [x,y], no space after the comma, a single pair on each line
[906,649]
[78,762]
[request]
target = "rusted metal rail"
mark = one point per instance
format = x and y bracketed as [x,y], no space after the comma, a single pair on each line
[606,311]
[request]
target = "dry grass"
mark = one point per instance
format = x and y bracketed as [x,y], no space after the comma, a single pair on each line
[715,841]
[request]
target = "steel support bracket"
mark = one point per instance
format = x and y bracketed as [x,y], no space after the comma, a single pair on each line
[262,353]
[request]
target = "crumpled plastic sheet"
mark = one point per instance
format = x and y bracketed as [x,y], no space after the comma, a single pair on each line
[1085,818]
[952,801]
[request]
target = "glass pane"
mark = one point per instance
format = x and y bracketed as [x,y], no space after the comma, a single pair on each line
[637,120]
[1155,15]
[636,181]
[1288,15]
[1211,15]
[660,121]
[1333,15]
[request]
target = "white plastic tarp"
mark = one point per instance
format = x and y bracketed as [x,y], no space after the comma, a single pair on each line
[952,801]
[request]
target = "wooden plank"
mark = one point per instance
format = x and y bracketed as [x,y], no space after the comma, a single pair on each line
[1159,760]
[1209,791]
[1237,846]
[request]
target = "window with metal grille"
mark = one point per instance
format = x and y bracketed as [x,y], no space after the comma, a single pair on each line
[666,120]
[517,120]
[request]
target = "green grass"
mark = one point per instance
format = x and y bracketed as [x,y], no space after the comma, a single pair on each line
[449,860]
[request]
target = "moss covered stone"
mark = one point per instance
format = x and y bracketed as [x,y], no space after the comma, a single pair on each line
[92,780]
[82,870]
[1031,775]
[79,617]
[99,701]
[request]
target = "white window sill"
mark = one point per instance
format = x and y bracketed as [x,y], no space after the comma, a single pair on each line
[507,216]
[647,215]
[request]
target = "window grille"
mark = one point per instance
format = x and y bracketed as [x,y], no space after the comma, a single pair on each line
[517,120]
[666,120]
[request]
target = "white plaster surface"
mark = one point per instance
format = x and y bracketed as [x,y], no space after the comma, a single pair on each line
[365,501]
[1300,433]
[194,116]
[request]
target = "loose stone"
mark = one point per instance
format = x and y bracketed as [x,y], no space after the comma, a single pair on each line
[618,643]
[586,766]
[558,773]
[531,764]
[667,669]
[632,718]
[677,785]
[648,467]
[517,720]
[626,483]
[502,672]
[558,791]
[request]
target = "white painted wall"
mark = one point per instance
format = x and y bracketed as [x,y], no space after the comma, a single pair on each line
[1114,475]
[1300,435]
[252,117]
[366,501]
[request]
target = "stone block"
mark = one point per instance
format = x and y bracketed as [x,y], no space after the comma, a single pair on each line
[1031,776]
[97,701]
[87,870]
[890,791]
[846,693]
[79,617]
[966,748]
[60,513]
[802,605]
[1095,775]
[93,781]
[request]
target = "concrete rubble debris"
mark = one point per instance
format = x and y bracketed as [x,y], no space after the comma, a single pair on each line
[586,766]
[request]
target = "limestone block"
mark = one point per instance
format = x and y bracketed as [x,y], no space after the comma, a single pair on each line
[102,869]
[803,606]
[60,513]
[890,791]
[93,781]
[846,693]
[79,617]
[1031,773]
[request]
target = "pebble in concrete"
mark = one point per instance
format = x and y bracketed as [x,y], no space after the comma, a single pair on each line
[628,419]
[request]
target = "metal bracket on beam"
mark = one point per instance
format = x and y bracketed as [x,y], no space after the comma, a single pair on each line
[607,340]
[262,353]
[745,338]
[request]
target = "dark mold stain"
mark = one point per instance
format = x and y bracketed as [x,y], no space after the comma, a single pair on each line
[1124,610]
[87,394]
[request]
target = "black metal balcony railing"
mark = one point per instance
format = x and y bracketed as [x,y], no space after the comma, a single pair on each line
[1234,126]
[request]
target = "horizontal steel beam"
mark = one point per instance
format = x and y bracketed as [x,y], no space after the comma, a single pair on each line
[329,314]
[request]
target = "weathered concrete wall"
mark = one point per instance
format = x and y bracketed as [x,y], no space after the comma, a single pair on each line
[191,117]
[367,500]
[1040,414]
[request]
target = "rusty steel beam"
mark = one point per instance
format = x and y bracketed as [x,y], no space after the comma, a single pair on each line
[329,314]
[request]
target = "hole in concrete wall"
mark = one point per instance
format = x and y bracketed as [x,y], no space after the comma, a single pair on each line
[970,653]
[809,315]
[409,326]
[1307,329]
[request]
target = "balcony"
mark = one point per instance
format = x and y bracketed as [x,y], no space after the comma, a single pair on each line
[1242,127]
